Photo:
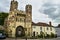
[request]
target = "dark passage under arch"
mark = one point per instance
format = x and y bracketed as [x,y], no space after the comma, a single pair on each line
[20,31]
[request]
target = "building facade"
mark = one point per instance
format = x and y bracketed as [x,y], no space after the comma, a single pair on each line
[42,28]
[19,23]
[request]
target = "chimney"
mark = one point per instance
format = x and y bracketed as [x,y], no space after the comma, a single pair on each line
[50,23]
[13,0]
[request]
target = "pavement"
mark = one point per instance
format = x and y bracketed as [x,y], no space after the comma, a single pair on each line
[30,39]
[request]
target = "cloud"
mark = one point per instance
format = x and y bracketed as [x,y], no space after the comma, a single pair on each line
[52,10]
[48,9]
[4,5]
[57,20]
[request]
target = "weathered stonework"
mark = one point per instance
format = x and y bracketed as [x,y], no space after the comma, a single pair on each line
[19,19]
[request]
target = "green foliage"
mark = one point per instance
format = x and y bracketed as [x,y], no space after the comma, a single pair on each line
[41,35]
[48,36]
[3,15]
[53,35]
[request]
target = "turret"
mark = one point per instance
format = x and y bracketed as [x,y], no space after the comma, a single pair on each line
[28,13]
[13,5]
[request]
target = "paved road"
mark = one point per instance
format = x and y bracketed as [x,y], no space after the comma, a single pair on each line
[32,39]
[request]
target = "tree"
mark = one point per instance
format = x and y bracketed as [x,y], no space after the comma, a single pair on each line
[58,25]
[3,15]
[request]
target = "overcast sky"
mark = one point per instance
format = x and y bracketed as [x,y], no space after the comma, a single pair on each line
[42,10]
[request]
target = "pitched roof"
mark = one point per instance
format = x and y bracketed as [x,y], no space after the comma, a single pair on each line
[40,24]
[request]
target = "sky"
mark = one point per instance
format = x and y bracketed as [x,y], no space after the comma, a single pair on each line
[42,10]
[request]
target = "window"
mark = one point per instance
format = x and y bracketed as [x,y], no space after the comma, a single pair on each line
[51,28]
[37,32]
[28,20]
[21,19]
[47,28]
[17,19]
[41,28]
[24,20]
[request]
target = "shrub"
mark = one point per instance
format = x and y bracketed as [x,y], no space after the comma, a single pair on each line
[55,35]
[52,35]
[42,34]
[47,36]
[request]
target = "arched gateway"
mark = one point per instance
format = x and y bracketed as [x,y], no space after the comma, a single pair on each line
[20,31]
[19,17]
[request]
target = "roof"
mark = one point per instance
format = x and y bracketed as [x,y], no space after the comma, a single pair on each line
[41,24]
